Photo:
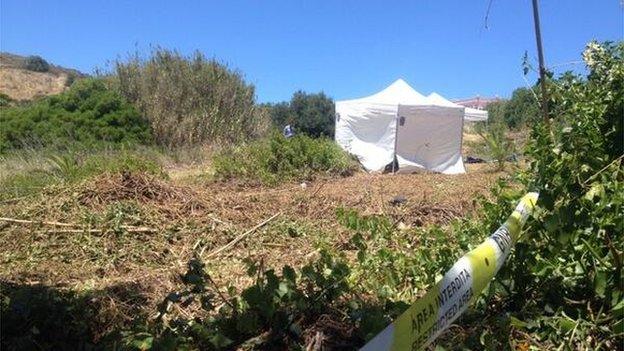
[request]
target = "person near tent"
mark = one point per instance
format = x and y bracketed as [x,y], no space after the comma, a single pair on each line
[288,131]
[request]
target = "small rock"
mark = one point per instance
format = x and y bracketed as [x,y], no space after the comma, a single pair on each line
[398,200]
[402,226]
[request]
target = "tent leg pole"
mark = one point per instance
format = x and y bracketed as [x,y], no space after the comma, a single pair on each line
[396,136]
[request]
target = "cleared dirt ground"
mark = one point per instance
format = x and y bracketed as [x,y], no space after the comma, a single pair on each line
[135,267]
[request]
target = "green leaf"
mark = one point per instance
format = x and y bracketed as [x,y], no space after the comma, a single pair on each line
[515,322]
[597,190]
[551,223]
[289,273]
[567,323]
[595,253]
[283,289]
[600,283]
[563,237]
[619,306]
[618,327]
[192,279]
[143,344]
[220,341]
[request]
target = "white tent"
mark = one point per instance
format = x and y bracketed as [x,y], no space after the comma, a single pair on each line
[470,114]
[422,133]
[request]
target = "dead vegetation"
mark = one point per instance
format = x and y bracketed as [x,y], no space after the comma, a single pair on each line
[143,188]
[101,250]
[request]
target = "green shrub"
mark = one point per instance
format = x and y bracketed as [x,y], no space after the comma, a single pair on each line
[571,266]
[281,114]
[277,158]
[270,314]
[5,100]
[89,113]
[39,317]
[563,285]
[71,78]
[496,112]
[36,63]
[190,100]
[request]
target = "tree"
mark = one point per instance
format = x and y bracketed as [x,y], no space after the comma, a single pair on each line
[36,64]
[281,114]
[314,113]
[496,111]
[311,114]
[521,108]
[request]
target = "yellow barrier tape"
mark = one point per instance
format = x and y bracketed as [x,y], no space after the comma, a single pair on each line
[430,315]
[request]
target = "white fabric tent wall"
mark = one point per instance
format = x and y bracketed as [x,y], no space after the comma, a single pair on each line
[429,136]
[475,115]
[367,130]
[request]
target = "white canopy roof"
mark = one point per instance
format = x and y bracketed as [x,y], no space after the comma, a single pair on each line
[401,93]
[397,93]
[470,114]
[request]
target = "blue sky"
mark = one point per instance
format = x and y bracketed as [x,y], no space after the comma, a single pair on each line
[347,49]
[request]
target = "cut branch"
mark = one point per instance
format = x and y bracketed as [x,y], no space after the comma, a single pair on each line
[128,228]
[241,237]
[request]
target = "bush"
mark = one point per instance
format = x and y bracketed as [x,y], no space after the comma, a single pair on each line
[5,100]
[281,114]
[310,114]
[71,78]
[271,314]
[567,279]
[190,100]
[89,113]
[277,158]
[36,64]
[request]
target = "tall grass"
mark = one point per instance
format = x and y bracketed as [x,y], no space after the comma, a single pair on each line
[190,100]
[29,171]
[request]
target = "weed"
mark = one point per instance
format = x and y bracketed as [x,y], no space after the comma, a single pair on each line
[499,147]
